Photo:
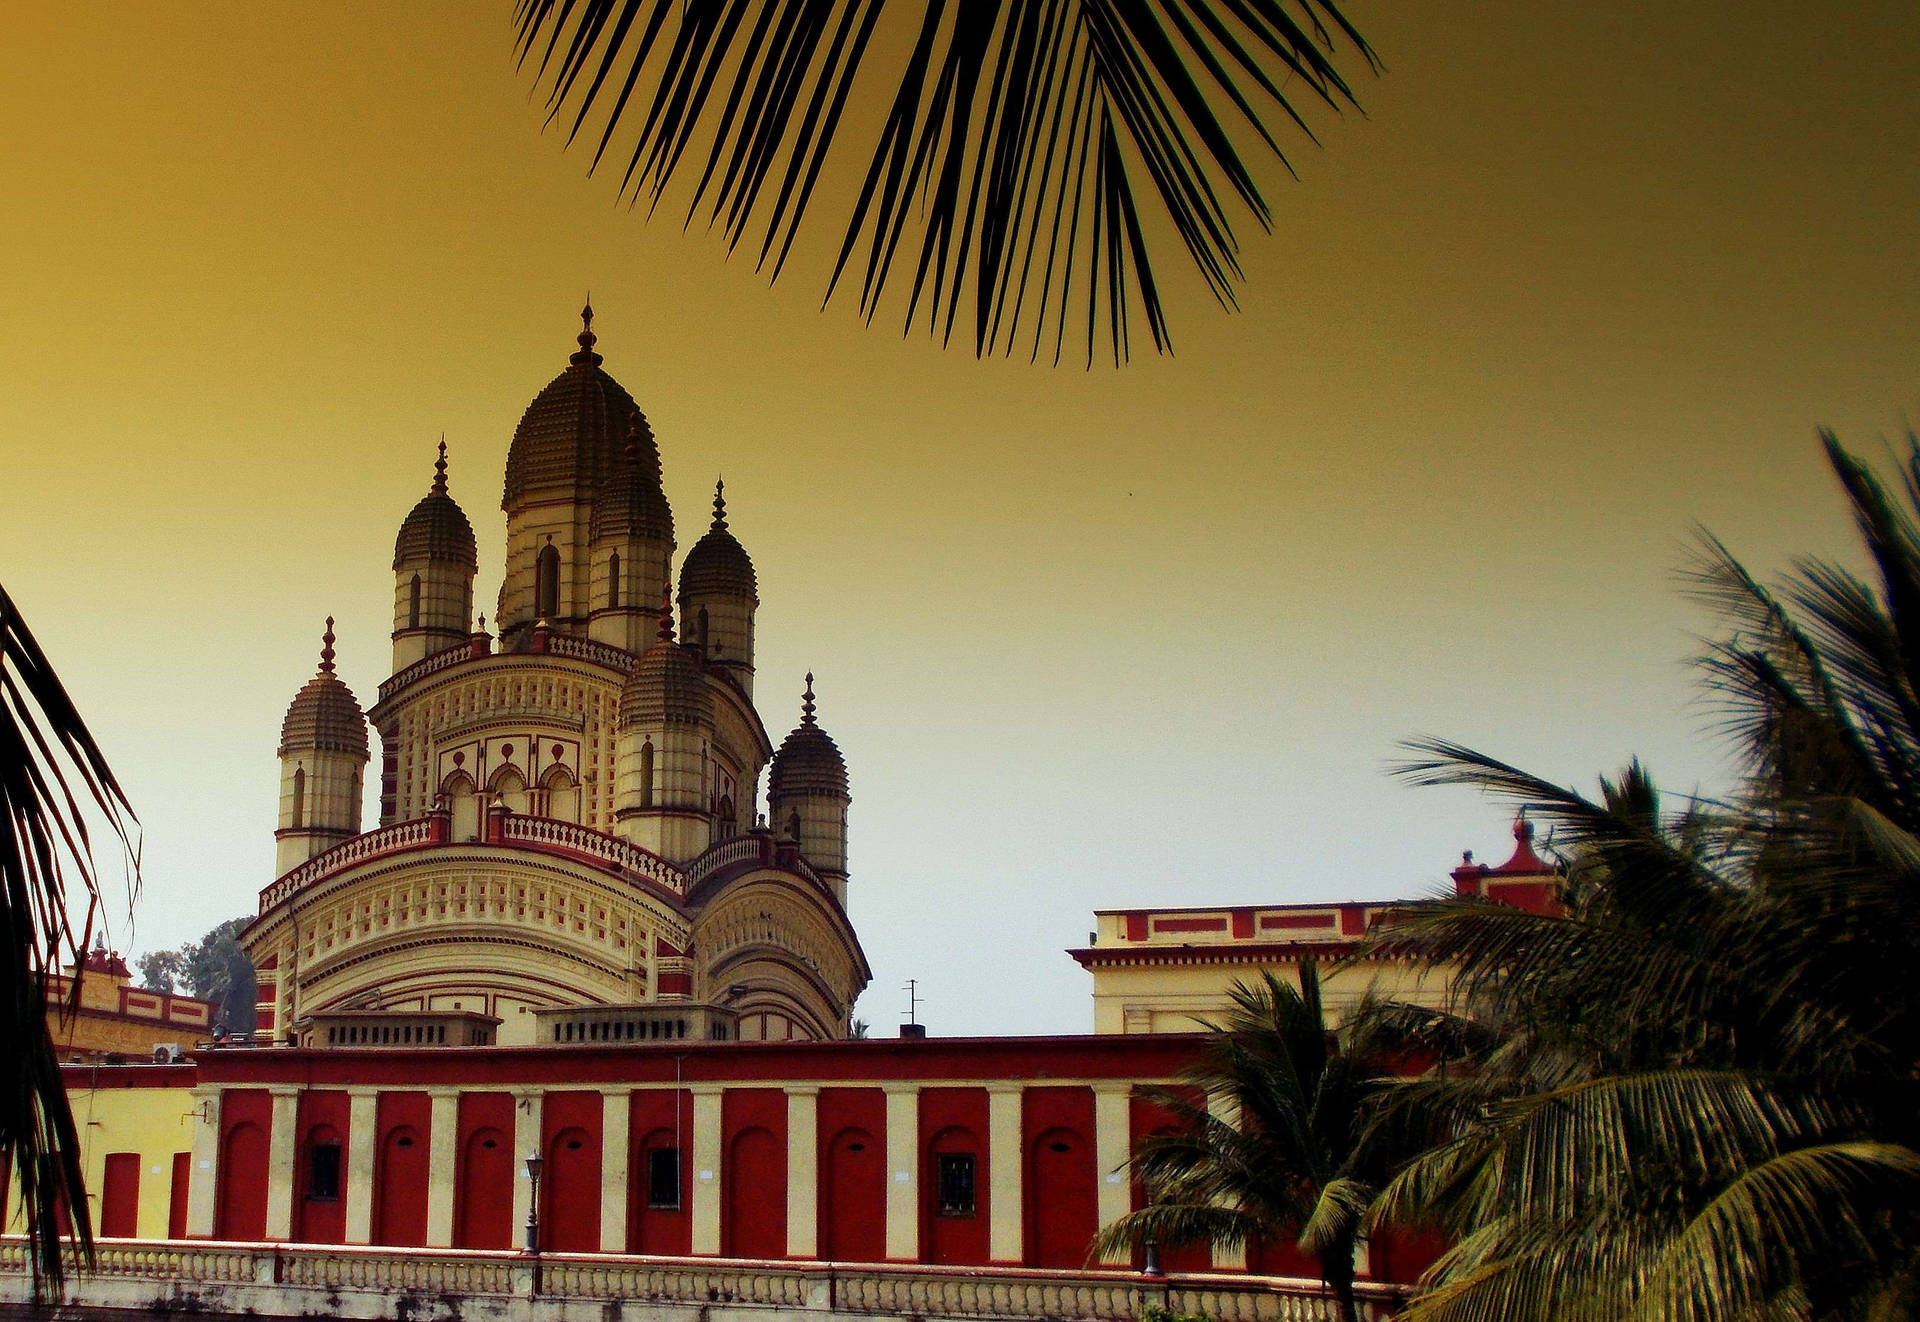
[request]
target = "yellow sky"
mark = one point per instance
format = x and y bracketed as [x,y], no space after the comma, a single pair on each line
[1583,276]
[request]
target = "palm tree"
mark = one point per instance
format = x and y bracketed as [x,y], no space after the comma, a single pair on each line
[53,779]
[1299,1156]
[1014,133]
[1709,1105]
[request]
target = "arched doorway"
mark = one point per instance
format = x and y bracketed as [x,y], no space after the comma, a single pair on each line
[1062,1188]
[400,1189]
[242,1211]
[755,1218]
[570,1193]
[484,1213]
[853,1198]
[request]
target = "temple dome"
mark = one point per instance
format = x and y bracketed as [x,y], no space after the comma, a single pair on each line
[324,716]
[572,432]
[629,501]
[718,564]
[437,528]
[666,685]
[808,761]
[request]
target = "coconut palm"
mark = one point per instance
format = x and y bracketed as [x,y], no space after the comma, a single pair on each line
[1294,1153]
[53,783]
[1710,1103]
[1014,134]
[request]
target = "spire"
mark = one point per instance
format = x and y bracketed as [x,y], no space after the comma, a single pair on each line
[719,505]
[326,648]
[633,437]
[440,468]
[586,339]
[666,614]
[806,702]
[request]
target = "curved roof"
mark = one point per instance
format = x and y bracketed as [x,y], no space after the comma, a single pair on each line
[437,528]
[324,716]
[718,565]
[629,501]
[666,686]
[808,761]
[572,432]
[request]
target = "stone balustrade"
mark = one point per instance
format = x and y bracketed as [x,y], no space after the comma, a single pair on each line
[293,1280]
[369,844]
[551,833]
[580,649]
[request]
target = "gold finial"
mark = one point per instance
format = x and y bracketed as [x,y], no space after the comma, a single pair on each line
[326,648]
[720,505]
[806,702]
[666,613]
[586,339]
[440,468]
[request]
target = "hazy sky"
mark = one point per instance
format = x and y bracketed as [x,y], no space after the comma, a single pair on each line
[1581,277]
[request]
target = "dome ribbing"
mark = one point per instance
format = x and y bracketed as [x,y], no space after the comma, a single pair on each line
[324,716]
[666,685]
[573,432]
[629,501]
[808,762]
[718,565]
[437,529]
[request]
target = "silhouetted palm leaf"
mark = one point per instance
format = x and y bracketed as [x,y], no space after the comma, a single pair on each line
[52,780]
[1015,134]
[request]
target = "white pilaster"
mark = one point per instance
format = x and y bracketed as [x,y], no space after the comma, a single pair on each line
[903,1172]
[527,1140]
[1112,1126]
[803,1171]
[205,1172]
[281,1150]
[442,1165]
[705,1212]
[361,1110]
[1006,1233]
[616,1151]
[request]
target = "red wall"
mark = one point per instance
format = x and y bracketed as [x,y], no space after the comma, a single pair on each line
[404,1123]
[240,1208]
[652,1124]
[176,1195]
[853,1174]
[954,1120]
[1060,1197]
[570,1184]
[485,1166]
[1146,1117]
[120,1196]
[753,1171]
[322,1118]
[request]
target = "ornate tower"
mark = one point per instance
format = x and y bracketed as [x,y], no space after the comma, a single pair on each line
[323,757]
[630,543]
[433,567]
[807,796]
[718,595]
[665,729]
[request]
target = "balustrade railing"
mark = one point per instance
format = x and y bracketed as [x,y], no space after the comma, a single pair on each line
[730,853]
[308,1279]
[401,835]
[580,649]
[595,844]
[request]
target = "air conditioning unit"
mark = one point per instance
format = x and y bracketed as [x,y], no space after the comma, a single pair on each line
[168,1053]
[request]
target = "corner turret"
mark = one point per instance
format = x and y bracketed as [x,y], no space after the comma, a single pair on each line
[434,561]
[323,758]
[718,596]
[807,796]
[665,726]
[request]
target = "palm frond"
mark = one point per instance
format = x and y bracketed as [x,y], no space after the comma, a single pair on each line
[1023,141]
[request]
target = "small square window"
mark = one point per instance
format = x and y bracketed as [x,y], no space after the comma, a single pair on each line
[663,1178]
[323,1171]
[955,1183]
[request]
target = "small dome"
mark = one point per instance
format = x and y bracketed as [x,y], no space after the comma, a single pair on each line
[666,685]
[808,762]
[324,716]
[718,565]
[437,529]
[629,501]
[572,431]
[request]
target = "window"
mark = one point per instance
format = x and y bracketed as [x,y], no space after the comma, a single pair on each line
[646,774]
[413,604]
[299,797]
[323,1171]
[955,1183]
[613,580]
[546,583]
[663,1178]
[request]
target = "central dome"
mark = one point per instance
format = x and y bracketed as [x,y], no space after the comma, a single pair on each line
[571,433]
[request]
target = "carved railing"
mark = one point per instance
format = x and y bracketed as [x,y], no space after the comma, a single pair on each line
[588,649]
[371,844]
[756,849]
[430,665]
[309,1279]
[571,836]
[580,649]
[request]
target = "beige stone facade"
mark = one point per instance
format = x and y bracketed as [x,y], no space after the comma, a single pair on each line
[110,1017]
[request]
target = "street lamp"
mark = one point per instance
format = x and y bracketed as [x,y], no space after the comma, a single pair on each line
[533,1202]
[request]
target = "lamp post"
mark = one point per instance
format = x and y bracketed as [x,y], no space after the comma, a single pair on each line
[533,1203]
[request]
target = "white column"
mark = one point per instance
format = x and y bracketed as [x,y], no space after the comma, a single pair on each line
[616,1115]
[903,1172]
[1227,1111]
[1112,1126]
[1006,1233]
[526,1141]
[361,1111]
[204,1173]
[443,1136]
[281,1150]
[803,1171]
[705,1212]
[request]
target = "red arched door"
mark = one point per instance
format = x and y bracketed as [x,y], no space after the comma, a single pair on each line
[570,1194]
[120,1196]
[483,1215]
[1064,1190]
[853,1198]
[400,1189]
[755,1217]
[242,1209]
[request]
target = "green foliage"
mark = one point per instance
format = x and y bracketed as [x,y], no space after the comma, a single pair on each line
[1014,135]
[1155,1313]
[1706,1103]
[215,969]
[53,781]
